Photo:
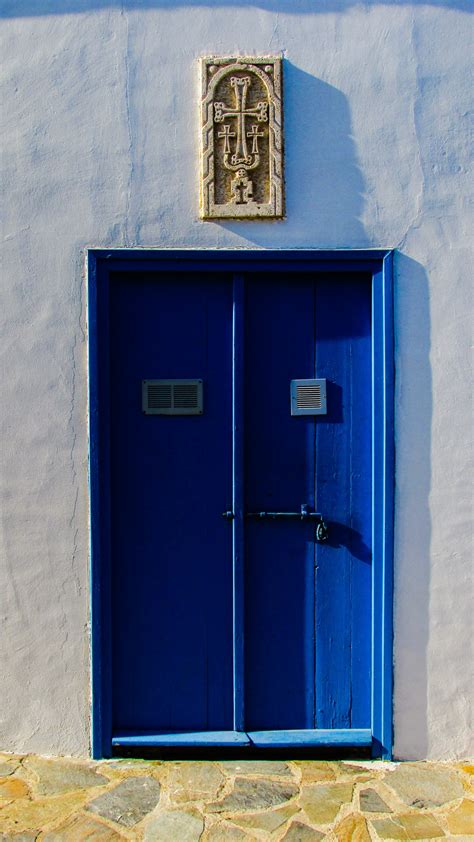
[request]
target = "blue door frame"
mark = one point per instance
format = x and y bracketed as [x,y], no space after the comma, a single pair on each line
[379,265]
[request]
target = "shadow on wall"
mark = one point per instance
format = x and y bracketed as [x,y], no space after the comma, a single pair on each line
[22,8]
[325,186]
[413,419]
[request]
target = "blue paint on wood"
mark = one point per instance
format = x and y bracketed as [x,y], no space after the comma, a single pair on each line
[238,552]
[383,503]
[343,470]
[95,501]
[99,482]
[169,739]
[171,478]
[240,260]
[102,265]
[320,737]
[279,475]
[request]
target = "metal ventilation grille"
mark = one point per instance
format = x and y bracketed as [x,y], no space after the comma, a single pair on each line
[308,397]
[172,397]
[159,396]
[185,396]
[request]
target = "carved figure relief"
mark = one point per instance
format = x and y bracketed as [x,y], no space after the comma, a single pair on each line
[242,160]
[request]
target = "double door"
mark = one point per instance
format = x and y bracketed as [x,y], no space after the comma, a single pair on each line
[240,508]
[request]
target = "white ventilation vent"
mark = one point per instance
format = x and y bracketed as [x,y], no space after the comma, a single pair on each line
[172,397]
[308,397]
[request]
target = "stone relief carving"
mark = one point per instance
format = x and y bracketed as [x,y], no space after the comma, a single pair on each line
[242,154]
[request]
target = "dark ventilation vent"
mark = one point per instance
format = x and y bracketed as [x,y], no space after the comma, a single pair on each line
[308,397]
[159,396]
[186,396]
[172,397]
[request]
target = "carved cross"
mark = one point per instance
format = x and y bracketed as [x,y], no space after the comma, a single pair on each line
[241,112]
[226,134]
[255,134]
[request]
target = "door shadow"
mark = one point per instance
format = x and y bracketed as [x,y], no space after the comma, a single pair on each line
[340,535]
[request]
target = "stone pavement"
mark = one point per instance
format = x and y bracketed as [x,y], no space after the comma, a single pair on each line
[66,800]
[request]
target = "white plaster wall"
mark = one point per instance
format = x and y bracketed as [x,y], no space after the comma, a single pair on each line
[100,111]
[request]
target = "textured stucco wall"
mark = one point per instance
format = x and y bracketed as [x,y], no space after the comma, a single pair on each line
[100,105]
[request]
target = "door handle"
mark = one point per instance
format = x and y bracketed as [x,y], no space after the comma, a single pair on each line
[303,514]
[277,515]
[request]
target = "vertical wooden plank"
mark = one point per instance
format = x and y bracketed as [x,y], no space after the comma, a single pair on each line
[279,476]
[360,522]
[343,457]
[99,472]
[94,496]
[333,640]
[171,479]
[383,502]
[238,495]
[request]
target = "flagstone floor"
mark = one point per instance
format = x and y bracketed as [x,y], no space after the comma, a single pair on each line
[66,800]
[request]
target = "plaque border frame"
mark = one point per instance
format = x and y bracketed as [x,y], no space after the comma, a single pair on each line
[275,208]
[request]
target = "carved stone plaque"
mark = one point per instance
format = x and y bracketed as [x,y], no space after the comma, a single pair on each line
[242,154]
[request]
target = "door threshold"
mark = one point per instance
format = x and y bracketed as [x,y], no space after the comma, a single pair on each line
[294,739]
[171,739]
[309,737]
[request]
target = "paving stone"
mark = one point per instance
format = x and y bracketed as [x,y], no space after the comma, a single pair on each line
[461,820]
[194,782]
[255,767]
[131,763]
[82,829]
[224,832]
[352,829]
[371,802]
[254,795]
[468,785]
[373,766]
[420,826]
[299,832]
[179,825]
[389,829]
[25,815]
[354,772]
[128,802]
[56,776]
[7,768]
[321,803]
[425,786]
[266,821]
[409,826]
[317,770]
[11,788]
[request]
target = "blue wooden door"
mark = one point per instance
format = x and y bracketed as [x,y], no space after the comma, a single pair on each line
[307,604]
[228,628]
